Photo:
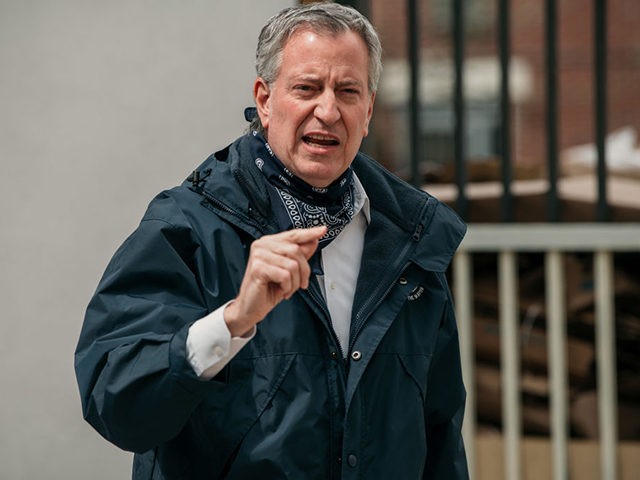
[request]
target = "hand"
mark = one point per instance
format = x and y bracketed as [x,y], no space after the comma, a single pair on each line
[277,267]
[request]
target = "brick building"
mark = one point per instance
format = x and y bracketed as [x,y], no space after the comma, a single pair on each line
[389,138]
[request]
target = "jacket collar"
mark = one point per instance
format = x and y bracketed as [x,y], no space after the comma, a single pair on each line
[402,212]
[412,213]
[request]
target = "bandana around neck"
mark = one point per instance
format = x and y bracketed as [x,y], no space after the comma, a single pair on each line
[297,204]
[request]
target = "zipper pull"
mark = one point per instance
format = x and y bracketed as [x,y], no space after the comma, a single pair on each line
[417,232]
[196,179]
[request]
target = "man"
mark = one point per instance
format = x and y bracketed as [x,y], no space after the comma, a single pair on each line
[284,313]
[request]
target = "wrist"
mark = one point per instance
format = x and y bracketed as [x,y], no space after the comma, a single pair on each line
[239,325]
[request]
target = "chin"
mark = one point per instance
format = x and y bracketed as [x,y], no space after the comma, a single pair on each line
[323,179]
[317,182]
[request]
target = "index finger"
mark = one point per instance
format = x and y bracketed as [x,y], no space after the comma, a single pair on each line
[306,238]
[305,235]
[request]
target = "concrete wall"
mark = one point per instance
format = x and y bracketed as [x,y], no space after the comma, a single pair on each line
[102,105]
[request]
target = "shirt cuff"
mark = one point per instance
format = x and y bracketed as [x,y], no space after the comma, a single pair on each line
[210,346]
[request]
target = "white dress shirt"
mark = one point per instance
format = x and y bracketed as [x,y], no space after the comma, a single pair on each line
[210,345]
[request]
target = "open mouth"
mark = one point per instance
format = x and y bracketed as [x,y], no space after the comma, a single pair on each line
[320,140]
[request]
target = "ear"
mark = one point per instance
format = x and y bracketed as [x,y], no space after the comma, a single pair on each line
[369,113]
[262,95]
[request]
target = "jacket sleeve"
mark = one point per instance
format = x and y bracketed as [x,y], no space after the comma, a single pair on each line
[446,459]
[136,385]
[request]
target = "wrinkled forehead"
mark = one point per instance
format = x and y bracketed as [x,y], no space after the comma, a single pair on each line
[321,31]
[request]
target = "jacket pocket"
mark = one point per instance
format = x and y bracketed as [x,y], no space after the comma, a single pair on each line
[417,368]
[226,416]
[393,396]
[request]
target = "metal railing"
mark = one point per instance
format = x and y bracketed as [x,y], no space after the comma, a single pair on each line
[459,102]
[554,240]
[507,240]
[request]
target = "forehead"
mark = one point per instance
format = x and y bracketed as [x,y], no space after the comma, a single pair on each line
[307,46]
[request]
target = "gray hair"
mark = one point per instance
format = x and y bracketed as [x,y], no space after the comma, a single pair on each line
[320,17]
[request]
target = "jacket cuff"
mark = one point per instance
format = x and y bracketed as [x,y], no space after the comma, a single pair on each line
[210,346]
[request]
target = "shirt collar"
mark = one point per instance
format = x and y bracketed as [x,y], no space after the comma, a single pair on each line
[360,199]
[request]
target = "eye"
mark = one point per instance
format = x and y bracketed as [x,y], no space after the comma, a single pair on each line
[353,91]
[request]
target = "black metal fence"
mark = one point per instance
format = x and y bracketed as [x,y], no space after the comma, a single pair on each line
[503,33]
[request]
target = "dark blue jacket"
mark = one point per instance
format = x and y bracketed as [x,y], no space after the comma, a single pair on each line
[287,406]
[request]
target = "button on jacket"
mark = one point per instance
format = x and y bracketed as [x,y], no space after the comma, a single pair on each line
[288,405]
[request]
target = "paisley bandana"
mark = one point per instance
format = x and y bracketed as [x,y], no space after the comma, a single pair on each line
[297,204]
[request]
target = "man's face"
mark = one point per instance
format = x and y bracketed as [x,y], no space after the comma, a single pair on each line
[317,111]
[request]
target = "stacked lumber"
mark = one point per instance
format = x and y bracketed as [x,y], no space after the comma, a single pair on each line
[581,354]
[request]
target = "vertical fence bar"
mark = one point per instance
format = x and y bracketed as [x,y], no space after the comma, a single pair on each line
[413,42]
[361,5]
[463,278]
[504,38]
[600,66]
[557,371]
[459,149]
[551,44]
[606,361]
[510,363]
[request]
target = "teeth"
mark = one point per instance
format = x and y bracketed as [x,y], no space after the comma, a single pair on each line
[321,139]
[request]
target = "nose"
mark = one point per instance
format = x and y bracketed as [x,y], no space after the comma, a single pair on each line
[327,110]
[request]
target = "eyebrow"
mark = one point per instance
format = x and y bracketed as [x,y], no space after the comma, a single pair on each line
[315,79]
[350,83]
[306,78]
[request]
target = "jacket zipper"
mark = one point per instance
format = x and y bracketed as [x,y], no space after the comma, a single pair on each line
[376,298]
[332,332]
[217,203]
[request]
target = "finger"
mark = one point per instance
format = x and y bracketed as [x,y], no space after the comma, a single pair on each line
[287,272]
[308,239]
[298,252]
[304,235]
[290,251]
[280,282]
[308,249]
[293,243]
[260,291]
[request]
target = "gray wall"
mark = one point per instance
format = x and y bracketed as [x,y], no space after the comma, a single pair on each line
[102,105]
